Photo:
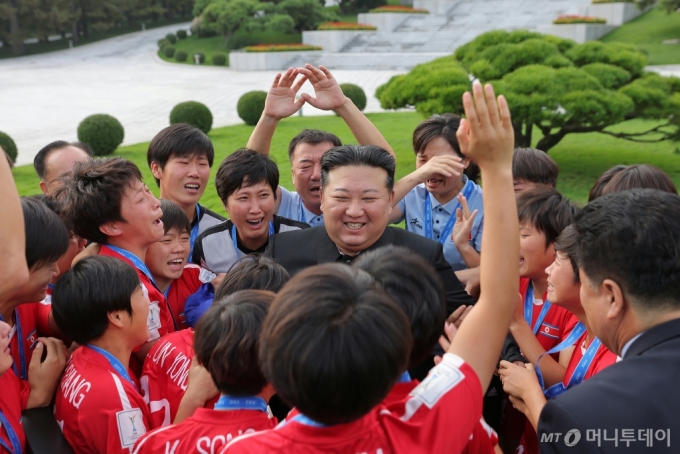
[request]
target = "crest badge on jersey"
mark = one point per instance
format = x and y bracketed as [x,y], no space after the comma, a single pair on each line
[130,426]
[154,319]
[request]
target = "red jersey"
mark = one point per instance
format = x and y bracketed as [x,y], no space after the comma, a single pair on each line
[556,325]
[98,410]
[165,374]
[31,322]
[13,400]
[159,321]
[603,358]
[206,432]
[180,289]
[440,414]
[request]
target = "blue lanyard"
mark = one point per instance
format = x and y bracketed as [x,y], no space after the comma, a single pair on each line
[241,403]
[529,309]
[167,291]
[117,365]
[50,286]
[12,435]
[194,232]
[404,378]
[577,332]
[234,235]
[302,419]
[429,233]
[20,342]
[136,261]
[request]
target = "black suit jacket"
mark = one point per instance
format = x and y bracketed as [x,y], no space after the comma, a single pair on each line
[301,249]
[637,393]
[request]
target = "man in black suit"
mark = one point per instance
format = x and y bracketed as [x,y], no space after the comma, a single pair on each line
[356,199]
[629,262]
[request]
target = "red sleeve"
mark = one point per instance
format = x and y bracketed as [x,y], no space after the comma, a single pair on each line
[605,359]
[42,318]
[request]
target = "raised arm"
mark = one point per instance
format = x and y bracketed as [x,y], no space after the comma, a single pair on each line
[329,96]
[486,136]
[280,103]
[14,270]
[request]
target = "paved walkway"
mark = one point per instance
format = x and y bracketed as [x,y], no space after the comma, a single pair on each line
[44,97]
[666,70]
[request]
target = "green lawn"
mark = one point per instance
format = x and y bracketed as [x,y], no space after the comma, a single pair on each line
[647,32]
[581,157]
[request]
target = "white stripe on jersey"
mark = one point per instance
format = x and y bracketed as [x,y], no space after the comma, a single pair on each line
[149,436]
[442,379]
[121,393]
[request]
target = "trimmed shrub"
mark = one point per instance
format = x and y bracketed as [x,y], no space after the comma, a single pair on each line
[193,113]
[181,34]
[356,94]
[172,38]
[162,43]
[250,106]
[8,145]
[168,51]
[201,57]
[102,133]
[219,59]
[180,55]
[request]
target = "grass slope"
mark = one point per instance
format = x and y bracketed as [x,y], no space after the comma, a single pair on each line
[647,32]
[581,157]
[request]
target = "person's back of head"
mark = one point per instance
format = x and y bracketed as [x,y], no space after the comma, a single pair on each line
[603,180]
[546,210]
[413,283]
[226,342]
[632,239]
[639,176]
[358,155]
[334,343]
[312,137]
[179,141]
[253,272]
[86,296]
[532,167]
[92,195]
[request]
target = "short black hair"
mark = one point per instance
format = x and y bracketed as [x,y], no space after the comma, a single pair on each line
[253,272]
[179,141]
[358,155]
[633,238]
[535,166]
[41,157]
[640,176]
[312,137]
[414,285]
[227,341]
[547,211]
[46,234]
[174,217]
[334,343]
[92,195]
[244,168]
[566,244]
[85,295]
[603,180]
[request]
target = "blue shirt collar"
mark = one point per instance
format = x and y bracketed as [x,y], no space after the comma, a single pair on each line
[628,344]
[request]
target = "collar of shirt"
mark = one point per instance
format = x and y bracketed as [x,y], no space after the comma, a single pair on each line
[450,206]
[628,344]
[311,218]
[348,259]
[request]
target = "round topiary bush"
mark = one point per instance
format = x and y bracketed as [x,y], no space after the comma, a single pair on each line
[172,38]
[201,57]
[181,34]
[219,59]
[8,145]
[162,43]
[356,94]
[193,113]
[102,133]
[168,51]
[180,55]
[250,106]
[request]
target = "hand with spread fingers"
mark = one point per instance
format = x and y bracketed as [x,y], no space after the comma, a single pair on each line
[329,95]
[281,99]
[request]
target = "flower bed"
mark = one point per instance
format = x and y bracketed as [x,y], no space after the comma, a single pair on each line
[399,9]
[280,47]
[579,20]
[611,1]
[345,26]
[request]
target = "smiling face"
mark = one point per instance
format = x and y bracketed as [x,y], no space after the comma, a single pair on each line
[166,258]
[36,287]
[251,208]
[142,213]
[356,205]
[306,169]
[562,290]
[183,179]
[534,257]
[5,354]
[439,185]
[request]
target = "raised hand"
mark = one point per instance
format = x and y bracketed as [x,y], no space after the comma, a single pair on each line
[43,376]
[329,95]
[281,102]
[464,223]
[444,165]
